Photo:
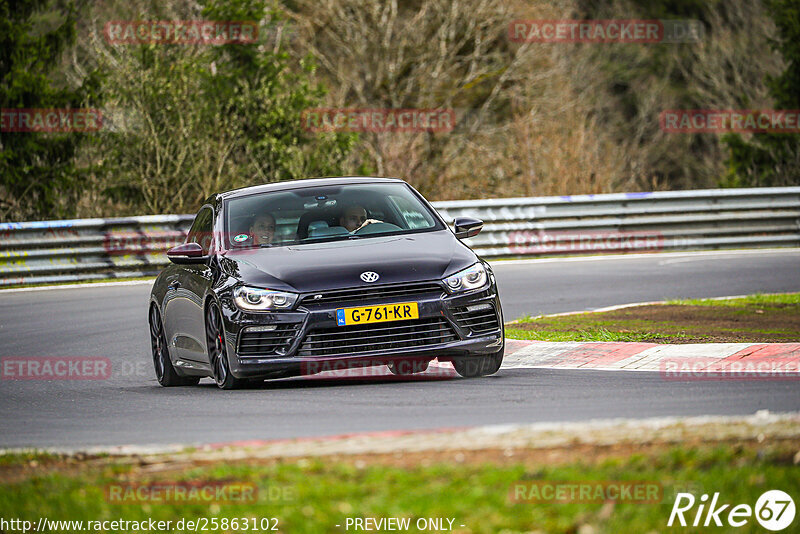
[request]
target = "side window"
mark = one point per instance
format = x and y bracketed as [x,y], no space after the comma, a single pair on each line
[413,217]
[201,230]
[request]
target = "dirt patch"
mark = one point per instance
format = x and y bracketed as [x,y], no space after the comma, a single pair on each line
[535,444]
[586,454]
[776,323]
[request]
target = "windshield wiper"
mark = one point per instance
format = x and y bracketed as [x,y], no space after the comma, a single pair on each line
[327,239]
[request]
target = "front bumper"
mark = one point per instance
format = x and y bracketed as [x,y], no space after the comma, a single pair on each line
[466,317]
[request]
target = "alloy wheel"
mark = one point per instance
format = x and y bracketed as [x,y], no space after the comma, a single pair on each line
[158,343]
[217,353]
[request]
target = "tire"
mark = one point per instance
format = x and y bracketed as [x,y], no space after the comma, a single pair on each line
[217,351]
[166,374]
[408,367]
[475,366]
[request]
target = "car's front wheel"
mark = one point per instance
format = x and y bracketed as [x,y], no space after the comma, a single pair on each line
[474,366]
[217,353]
[165,372]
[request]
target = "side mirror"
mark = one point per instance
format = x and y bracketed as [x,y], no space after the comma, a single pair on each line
[467,227]
[186,254]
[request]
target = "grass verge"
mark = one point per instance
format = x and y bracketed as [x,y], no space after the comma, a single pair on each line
[755,318]
[316,494]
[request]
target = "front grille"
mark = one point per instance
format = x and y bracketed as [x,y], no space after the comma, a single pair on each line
[270,343]
[477,318]
[399,335]
[406,291]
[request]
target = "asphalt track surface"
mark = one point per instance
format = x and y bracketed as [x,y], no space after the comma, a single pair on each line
[130,407]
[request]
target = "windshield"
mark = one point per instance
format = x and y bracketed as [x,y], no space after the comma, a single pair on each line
[328,213]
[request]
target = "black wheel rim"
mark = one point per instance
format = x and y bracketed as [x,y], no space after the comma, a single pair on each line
[216,346]
[158,343]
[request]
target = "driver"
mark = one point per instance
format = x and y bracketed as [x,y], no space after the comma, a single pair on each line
[354,218]
[263,229]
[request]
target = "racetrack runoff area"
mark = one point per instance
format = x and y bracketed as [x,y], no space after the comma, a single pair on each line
[702,361]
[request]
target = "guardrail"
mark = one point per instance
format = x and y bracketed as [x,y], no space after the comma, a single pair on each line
[88,249]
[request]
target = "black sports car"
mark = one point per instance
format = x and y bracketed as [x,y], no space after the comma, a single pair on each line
[299,277]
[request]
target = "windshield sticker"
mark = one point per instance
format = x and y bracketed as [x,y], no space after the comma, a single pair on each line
[241,238]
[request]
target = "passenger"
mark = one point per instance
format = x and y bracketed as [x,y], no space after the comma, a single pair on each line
[354,217]
[263,229]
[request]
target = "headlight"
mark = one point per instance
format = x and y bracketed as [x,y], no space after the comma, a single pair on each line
[257,300]
[473,277]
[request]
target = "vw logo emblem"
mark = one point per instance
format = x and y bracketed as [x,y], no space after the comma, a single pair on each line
[369,276]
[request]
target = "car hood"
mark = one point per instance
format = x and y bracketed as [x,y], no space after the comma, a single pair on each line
[338,264]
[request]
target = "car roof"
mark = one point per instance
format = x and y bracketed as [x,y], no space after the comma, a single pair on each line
[311,182]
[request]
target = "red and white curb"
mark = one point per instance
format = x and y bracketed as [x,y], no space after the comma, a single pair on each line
[781,360]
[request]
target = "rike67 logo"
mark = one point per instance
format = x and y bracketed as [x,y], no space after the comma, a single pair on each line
[774,510]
